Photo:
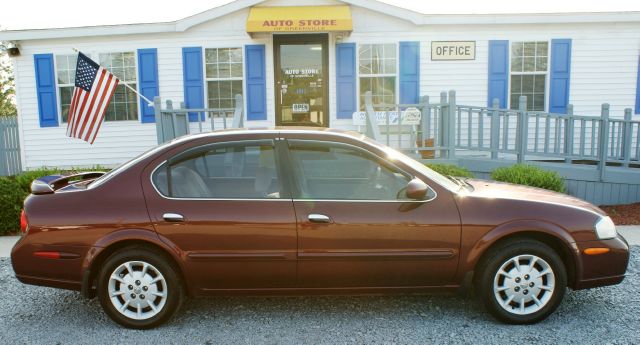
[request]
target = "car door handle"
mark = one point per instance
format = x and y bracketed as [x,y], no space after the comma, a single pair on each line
[173,217]
[319,218]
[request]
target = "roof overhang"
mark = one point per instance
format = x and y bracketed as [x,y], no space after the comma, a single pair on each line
[416,18]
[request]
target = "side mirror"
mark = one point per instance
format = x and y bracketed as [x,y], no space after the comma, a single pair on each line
[39,187]
[416,189]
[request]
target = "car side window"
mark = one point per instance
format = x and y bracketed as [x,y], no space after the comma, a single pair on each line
[343,172]
[232,171]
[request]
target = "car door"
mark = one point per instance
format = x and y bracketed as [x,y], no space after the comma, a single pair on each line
[224,206]
[356,227]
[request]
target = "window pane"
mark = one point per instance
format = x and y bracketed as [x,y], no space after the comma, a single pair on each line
[539,83]
[527,83]
[541,64]
[516,83]
[123,106]
[212,71]
[529,48]
[223,55]
[514,100]
[211,55]
[238,171]
[377,59]
[389,66]
[66,93]
[365,67]
[542,49]
[517,49]
[379,87]
[529,64]
[236,70]
[235,55]
[331,171]
[221,94]
[538,102]
[516,64]
[364,52]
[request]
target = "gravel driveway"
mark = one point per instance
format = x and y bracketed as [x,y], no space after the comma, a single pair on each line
[34,315]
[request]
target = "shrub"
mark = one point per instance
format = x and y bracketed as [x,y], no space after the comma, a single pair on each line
[529,175]
[11,197]
[450,169]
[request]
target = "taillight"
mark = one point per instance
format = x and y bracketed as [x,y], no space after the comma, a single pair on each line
[23,222]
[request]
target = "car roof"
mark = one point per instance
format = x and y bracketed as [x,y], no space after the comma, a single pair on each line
[272,130]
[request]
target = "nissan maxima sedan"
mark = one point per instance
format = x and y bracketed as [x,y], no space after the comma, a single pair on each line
[305,211]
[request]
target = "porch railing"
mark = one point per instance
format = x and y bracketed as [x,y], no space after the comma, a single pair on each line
[447,129]
[172,123]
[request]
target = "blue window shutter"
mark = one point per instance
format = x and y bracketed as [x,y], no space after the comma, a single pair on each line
[638,89]
[345,80]
[148,81]
[193,80]
[256,82]
[498,72]
[409,72]
[46,89]
[560,72]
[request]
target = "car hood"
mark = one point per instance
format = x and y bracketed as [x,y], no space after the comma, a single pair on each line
[501,190]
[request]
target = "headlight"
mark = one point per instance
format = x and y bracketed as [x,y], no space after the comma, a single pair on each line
[605,229]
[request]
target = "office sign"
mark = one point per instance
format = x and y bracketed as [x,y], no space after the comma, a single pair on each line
[453,50]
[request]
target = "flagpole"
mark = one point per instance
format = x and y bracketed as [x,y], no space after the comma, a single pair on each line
[149,102]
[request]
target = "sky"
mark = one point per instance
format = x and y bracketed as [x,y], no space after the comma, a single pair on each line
[66,13]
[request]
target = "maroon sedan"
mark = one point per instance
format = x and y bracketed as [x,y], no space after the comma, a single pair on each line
[301,211]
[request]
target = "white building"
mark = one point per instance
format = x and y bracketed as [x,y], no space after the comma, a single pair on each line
[301,61]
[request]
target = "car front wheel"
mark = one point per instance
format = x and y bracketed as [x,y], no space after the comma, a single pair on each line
[522,281]
[139,288]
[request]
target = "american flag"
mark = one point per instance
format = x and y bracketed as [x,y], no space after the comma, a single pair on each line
[93,90]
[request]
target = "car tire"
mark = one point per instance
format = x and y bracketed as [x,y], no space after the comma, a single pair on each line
[139,288]
[521,281]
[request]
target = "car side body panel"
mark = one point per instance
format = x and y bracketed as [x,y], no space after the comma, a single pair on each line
[85,223]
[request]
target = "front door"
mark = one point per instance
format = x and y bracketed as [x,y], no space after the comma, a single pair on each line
[356,228]
[301,63]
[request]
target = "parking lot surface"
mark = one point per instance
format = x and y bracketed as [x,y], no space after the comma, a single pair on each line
[37,315]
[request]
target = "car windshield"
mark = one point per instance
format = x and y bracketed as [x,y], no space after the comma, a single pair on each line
[449,183]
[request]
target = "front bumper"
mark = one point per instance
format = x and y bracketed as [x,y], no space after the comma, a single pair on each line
[604,269]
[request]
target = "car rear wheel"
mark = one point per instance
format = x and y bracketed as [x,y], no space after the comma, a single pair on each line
[522,281]
[139,288]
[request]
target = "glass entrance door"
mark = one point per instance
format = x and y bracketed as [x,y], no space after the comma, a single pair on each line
[301,66]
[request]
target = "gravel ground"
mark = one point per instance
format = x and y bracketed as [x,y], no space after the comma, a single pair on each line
[33,315]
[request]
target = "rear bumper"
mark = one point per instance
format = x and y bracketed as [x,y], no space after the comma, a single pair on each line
[604,269]
[62,273]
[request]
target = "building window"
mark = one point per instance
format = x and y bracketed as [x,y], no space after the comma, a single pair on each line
[223,76]
[377,69]
[124,104]
[529,61]
[66,72]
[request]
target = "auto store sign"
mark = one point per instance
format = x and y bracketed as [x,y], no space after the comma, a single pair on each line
[453,50]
